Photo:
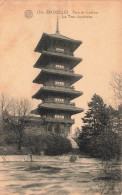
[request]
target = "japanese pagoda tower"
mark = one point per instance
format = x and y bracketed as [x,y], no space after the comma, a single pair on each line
[57,76]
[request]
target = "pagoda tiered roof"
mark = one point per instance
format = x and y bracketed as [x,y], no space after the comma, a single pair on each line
[48,56]
[44,74]
[46,40]
[45,107]
[45,90]
[57,76]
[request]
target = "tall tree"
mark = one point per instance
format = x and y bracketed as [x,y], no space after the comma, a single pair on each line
[98,124]
[96,118]
[14,113]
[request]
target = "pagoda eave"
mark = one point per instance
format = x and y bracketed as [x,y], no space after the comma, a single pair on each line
[47,56]
[57,90]
[46,39]
[52,119]
[45,73]
[46,107]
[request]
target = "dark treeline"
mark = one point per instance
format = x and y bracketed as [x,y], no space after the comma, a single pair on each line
[15,133]
[100,136]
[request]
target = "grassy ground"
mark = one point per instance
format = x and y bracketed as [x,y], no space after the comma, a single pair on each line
[13,150]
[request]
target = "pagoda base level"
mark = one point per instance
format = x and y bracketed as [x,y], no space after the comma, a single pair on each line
[61,129]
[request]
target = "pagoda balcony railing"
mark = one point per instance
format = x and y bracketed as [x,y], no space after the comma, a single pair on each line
[59,120]
[61,51]
[63,70]
[60,70]
[60,103]
[70,88]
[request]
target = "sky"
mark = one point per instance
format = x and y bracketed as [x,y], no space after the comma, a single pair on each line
[96,23]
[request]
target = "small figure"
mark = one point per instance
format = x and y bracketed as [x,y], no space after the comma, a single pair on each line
[42,153]
[4,159]
[30,155]
[73,158]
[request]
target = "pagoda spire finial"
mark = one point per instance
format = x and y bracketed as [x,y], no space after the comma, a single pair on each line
[57,26]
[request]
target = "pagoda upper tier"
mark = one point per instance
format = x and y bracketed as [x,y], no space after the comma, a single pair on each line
[46,107]
[48,41]
[57,91]
[54,56]
[46,74]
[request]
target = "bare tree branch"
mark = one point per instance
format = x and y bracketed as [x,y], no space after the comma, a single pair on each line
[14,113]
[116,84]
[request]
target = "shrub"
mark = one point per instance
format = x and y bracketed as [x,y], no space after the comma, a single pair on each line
[10,138]
[49,143]
[36,142]
[106,145]
[57,145]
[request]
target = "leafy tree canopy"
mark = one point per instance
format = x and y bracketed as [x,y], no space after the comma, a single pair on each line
[98,137]
[98,117]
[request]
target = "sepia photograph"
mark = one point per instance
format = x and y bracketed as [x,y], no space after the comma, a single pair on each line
[60,97]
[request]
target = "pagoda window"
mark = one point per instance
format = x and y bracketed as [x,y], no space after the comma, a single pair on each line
[59,116]
[59,83]
[59,66]
[61,100]
[59,49]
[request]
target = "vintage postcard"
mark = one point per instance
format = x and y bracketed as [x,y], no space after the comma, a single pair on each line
[60,97]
